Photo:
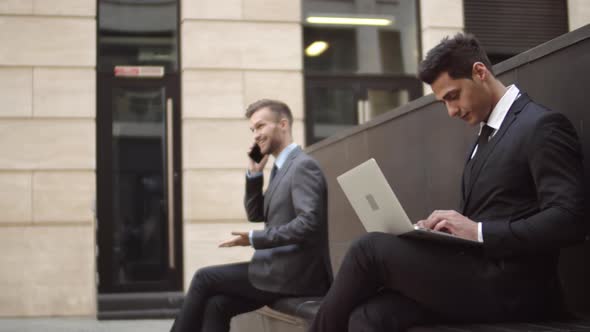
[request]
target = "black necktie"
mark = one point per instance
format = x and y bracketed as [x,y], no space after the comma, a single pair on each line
[482,140]
[273,172]
[484,136]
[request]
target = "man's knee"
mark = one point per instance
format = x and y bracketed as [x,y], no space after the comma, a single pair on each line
[370,241]
[363,240]
[201,277]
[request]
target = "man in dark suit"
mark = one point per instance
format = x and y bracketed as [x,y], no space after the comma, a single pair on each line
[522,198]
[291,252]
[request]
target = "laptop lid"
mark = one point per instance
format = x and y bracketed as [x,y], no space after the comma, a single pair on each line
[373,200]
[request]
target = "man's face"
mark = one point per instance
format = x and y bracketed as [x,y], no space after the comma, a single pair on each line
[469,100]
[267,130]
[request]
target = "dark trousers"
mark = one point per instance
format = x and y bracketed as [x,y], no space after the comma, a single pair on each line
[387,283]
[216,294]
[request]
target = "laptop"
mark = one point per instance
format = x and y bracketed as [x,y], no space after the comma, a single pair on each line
[378,208]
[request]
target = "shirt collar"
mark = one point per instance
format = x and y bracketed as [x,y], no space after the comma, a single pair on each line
[501,109]
[282,157]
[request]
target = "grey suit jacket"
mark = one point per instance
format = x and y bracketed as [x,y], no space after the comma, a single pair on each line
[291,253]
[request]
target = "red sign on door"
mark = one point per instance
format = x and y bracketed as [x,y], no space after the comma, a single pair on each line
[139,71]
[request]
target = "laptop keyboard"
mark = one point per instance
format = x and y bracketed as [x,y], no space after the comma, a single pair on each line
[418,228]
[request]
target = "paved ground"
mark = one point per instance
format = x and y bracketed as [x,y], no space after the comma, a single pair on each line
[82,325]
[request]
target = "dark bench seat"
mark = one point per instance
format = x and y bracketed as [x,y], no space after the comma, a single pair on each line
[303,307]
[553,326]
[306,307]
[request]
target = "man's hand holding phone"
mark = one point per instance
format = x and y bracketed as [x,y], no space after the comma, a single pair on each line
[257,160]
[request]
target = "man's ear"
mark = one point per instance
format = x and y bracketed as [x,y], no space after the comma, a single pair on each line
[479,71]
[284,123]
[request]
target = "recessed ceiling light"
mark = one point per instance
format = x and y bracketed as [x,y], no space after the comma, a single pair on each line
[374,21]
[316,48]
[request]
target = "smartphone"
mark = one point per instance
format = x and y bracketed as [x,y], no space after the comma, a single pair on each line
[255,154]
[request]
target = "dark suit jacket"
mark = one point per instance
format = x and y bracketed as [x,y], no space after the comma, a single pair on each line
[291,253]
[527,190]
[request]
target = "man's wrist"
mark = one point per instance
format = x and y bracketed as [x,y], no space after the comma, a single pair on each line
[251,175]
[250,233]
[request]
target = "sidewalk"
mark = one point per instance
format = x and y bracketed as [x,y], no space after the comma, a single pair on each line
[82,325]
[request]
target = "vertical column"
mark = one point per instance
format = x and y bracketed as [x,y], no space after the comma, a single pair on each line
[233,53]
[368,49]
[439,19]
[47,163]
[578,13]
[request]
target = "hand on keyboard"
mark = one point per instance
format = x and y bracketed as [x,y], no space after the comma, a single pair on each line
[452,222]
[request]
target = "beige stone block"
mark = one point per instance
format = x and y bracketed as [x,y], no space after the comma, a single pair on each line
[241,45]
[16,6]
[299,132]
[284,86]
[47,41]
[433,36]
[63,196]
[12,289]
[65,7]
[275,10]
[579,13]
[15,197]
[214,194]
[212,94]
[60,92]
[14,249]
[436,13]
[201,241]
[50,271]
[16,92]
[216,143]
[64,270]
[47,144]
[211,9]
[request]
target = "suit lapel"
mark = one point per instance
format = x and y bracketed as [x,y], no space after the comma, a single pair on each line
[465,165]
[482,155]
[280,173]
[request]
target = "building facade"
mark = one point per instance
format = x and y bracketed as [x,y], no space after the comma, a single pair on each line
[122,135]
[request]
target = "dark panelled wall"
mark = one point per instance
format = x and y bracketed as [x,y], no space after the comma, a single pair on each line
[422,151]
[511,27]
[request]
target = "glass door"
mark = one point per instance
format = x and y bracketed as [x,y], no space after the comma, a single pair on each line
[139,227]
[139,222]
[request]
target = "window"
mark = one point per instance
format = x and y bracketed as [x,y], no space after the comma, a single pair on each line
[360,60]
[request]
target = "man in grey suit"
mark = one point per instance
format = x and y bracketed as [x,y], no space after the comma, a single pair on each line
[291,252]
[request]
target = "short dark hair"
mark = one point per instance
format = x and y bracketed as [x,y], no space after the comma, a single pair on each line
[453,55]
[279,108]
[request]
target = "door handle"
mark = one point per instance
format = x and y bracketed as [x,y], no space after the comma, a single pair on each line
[170,183]
[360,111]
[363,111]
